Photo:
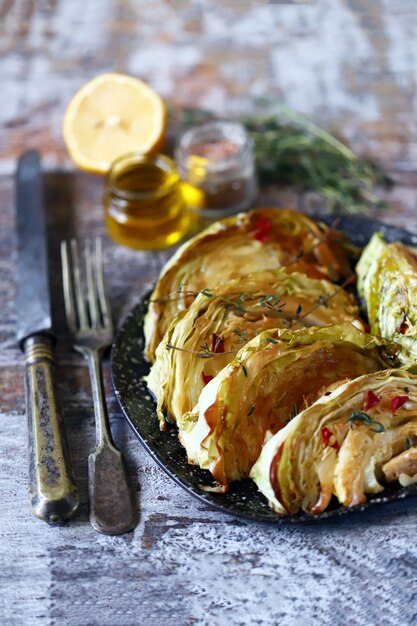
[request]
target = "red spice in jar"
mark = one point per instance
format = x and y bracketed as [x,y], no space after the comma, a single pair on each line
[215,150]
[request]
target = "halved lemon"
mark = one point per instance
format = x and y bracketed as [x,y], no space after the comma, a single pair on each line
[111,115]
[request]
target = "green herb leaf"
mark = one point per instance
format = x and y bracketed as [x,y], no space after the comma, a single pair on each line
[364,418]
[271,301]
[410,442]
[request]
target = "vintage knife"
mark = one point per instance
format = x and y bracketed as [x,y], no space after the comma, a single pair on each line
[53,493]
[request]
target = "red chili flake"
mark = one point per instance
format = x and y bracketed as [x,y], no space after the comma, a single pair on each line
[206,377]
[262,237]
[217,344]
[371,400]
[403,328]
[397,402]
[263,226]
[329,438]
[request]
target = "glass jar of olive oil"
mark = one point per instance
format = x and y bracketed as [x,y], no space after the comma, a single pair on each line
[143,202]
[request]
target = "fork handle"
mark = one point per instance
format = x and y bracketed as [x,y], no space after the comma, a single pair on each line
[112,506]
[53,493]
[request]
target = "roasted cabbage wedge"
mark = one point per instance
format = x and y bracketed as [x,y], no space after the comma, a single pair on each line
[350,444]
[230,315]
[387,284]
[248,242]
[273,377]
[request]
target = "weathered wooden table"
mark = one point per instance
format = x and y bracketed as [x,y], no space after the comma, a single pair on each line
[185,563]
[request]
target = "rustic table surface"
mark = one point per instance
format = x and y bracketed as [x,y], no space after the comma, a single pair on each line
[353,67]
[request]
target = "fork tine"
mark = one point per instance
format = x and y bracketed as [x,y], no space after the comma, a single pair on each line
[91,286]
[79,295]
[68,291]
[104,305]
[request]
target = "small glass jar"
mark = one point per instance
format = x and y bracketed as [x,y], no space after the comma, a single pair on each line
[216,164]
[143,202]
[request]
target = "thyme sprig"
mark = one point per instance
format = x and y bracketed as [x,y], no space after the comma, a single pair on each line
[290,149]
[271,301]
[268,301]
[324,301]
[204,353]
[242,334]
[180,293]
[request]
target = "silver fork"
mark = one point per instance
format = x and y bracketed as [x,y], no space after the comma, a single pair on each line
[112,508]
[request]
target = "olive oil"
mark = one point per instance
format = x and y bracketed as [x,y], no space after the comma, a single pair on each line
[143,202]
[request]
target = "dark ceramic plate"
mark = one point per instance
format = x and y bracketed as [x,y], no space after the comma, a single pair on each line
[129,367]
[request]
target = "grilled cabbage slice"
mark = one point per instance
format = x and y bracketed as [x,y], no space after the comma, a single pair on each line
[273,376]
[232,314]
[248,242]
[349,443]
[387,283]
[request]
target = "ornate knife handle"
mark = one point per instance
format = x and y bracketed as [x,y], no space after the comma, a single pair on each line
[53,493]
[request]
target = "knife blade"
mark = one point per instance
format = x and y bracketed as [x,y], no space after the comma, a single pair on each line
[53,494]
